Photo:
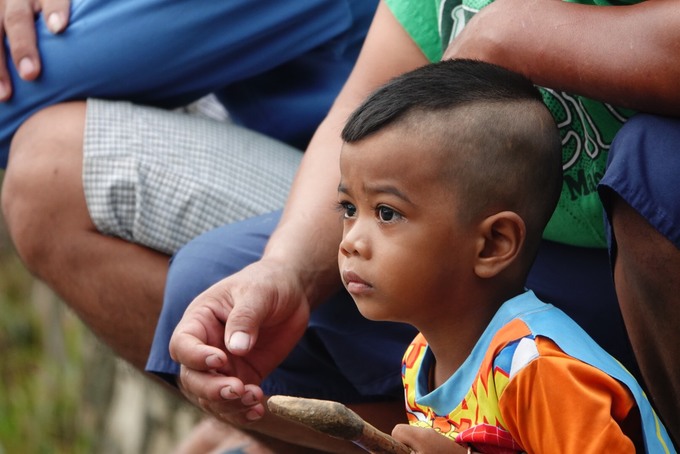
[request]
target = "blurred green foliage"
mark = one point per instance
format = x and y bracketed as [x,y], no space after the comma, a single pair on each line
[43,406]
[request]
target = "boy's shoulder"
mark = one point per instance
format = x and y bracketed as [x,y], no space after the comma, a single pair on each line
[527,330]
[514,336]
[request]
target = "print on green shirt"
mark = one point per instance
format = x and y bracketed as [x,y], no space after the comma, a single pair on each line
[587,127]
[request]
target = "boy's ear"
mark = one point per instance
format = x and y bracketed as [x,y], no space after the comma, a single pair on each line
[501,239]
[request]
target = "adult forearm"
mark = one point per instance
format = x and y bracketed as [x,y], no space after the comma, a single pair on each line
[628,56]
[309,232]
[308,235]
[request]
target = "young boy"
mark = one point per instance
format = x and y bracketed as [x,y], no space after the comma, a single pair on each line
[449,175]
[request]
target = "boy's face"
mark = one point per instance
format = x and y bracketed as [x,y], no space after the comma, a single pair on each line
[404,253]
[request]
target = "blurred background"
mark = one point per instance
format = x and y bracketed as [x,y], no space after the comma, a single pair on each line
[61,390]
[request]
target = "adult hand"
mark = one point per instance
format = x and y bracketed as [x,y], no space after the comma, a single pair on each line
[17,24]
[235,333]
[425,440]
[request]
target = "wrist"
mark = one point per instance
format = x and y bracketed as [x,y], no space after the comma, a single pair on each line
[311,260]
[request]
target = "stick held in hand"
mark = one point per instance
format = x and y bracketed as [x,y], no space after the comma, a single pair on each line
[336,420]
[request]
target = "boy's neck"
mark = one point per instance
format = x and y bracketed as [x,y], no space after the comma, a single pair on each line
[452,346]
[454,334]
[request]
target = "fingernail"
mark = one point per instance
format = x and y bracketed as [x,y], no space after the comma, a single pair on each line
[228,393]
[213,361]
[249,399]
[4,91]
[252,415]
[239,341]
[55,22]
[26,67]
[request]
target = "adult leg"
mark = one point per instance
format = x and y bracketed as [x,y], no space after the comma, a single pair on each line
[48,220]
[125,50]
[639,191]
[153,179]
[647,277]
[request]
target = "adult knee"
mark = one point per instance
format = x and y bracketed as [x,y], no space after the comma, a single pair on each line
[43,170]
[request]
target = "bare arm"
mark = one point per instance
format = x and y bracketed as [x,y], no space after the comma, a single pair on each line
[18,25]
[628,56]
[265,306]
[307,235]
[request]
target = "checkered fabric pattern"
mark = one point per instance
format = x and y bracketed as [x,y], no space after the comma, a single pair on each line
[159,178]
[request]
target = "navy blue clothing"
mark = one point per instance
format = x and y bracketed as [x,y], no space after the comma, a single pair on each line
[277,65]
[342,356]
[348,358]
[642,167]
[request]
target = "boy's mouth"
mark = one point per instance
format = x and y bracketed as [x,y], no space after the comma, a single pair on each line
[354,283]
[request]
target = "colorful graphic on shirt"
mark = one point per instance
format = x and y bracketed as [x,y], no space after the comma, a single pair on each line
[514,392]
[476,421]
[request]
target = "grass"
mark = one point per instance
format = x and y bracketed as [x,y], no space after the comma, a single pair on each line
[62,390]
[43,350]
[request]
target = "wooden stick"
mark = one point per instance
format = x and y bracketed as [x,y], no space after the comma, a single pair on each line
[336,420]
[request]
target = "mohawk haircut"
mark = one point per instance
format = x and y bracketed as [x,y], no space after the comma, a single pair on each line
[499,144]
[437,86]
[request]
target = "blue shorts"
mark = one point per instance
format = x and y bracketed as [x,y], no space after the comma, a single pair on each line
[642,167]
[248,53]
[347,358]
[342,356]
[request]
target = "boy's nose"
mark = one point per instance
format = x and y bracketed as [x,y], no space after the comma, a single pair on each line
[346,246]
[353,242]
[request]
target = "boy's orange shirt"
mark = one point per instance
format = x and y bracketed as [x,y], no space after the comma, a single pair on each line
[520,392]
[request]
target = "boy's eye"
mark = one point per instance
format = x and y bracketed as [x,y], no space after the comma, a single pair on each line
[349,209]
[386,214]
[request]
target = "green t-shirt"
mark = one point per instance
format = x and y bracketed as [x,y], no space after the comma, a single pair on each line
[587,127]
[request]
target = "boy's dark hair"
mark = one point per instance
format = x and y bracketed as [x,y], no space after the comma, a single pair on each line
[501,144]
[438,86]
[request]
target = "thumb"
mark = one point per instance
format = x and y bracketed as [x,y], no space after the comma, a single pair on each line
[242,328]
[239,342]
